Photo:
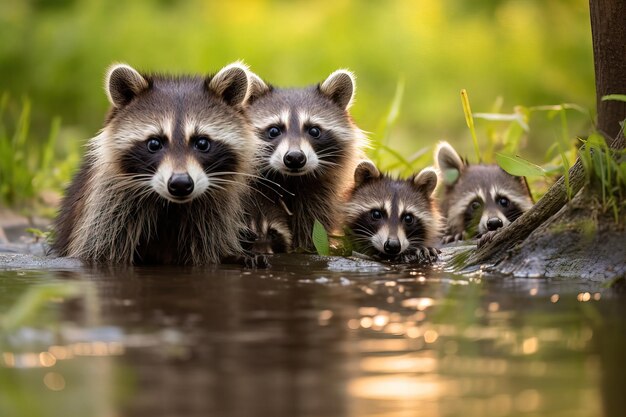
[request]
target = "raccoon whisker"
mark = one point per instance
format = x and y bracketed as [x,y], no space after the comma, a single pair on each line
[369,233]
[261,178]
[329,154]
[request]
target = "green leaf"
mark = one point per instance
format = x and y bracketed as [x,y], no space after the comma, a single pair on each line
[320,239]
[614,97]
[515,165]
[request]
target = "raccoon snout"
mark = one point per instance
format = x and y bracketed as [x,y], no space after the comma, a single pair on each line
[392,246]
[494,223]
[294,159]
[180,185]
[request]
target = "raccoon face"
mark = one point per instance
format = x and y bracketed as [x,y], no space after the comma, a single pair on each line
[387,216]
[269,234]
[479,198]
[177,137]
[304,131]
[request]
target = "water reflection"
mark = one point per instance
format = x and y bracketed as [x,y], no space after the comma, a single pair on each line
[309,340]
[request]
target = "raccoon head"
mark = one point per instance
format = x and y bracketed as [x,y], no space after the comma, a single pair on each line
[269,231]
[179,137]
[389,216]
[306,131]
[479,198]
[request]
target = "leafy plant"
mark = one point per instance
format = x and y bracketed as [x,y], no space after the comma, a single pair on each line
[605,170]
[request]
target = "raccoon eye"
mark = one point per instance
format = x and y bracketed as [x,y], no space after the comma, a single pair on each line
[315,132]
[475,205]
[154,144]
[202,144]
[273,132]
[408,218]
[503,201]
[376,214]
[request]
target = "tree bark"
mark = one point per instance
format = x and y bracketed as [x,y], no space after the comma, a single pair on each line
[608,29]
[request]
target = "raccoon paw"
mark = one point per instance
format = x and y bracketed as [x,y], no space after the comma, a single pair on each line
[428,255]
[421,255]
[486,238]
[452,238]
[254,260]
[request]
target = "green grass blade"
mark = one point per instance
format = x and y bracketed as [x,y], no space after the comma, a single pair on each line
[614,97]
[388,122]
[470,121]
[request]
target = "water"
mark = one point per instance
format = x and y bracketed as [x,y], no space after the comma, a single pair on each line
[307,338]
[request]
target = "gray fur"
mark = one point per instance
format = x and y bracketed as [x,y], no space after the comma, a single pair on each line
[465,183]
[113,215]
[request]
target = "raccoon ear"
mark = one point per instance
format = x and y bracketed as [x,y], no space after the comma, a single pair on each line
[365,172]
[448,162]
[258,87]
[231,83]
[123,83]
[426,181]
[339,87]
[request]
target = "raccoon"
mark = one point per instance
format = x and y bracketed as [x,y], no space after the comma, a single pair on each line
[268,227]
[310,148]
[163,182]
[392,218]
[478,199]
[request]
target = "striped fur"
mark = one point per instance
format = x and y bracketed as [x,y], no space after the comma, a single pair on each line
[478,199]
[121,206]
[314,124]
[393,218]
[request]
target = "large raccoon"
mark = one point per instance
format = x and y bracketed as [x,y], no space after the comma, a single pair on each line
[163,181]
[392,218]
[478,199]
[311,146]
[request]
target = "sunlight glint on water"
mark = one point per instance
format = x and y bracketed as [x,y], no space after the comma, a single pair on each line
[152,342]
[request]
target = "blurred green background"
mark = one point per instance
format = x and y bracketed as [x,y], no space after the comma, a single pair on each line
[504,52]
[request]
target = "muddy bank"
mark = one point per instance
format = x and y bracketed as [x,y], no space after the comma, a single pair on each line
[578,242]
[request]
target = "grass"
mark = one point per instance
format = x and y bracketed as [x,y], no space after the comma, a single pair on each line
[30,167]
[605,171]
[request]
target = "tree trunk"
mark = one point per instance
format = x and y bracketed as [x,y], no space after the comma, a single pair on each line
[608,29]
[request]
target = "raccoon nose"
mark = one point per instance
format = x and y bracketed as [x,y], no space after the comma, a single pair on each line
[180,185]
[494,223]
[294,159]
[392,246]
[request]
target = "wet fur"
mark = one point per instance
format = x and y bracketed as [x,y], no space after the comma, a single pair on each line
[394,198]
[112,214]
[318,194]
[268,226]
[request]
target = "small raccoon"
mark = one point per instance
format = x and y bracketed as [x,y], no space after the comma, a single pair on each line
[310,148]
[268,227]
[392,218]
[478,199]
[164,180]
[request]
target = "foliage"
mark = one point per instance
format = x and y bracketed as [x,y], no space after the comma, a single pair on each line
[320,239]
[517,166]
[29,166]
[605,171]
[55,52]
